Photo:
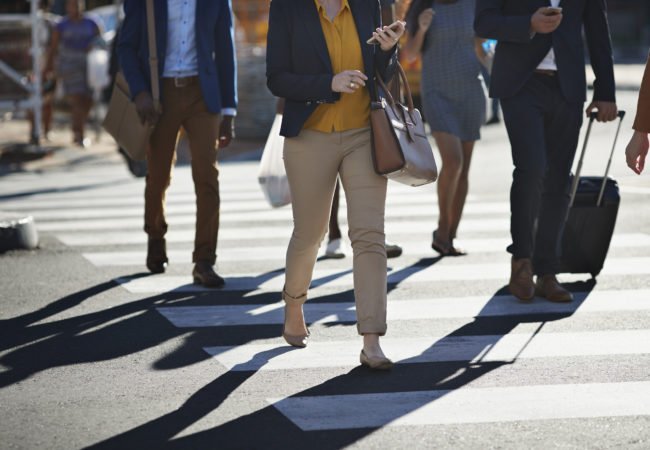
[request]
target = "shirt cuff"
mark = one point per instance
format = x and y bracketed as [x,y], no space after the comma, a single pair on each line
[228,112]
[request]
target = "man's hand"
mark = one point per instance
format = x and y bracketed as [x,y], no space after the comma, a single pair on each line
[542,22]
[607,111]
[636,151]
[145,108]
[226,131]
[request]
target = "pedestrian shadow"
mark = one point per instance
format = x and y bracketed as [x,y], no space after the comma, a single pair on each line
[434,370]
[156,433]
[340,311]
[118,331]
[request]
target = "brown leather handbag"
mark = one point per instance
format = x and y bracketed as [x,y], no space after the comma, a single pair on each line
[122,120]
[400,148]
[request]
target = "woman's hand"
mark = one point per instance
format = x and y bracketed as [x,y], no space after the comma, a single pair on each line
[424,19]
[389,35]
[348,81]
[636,151]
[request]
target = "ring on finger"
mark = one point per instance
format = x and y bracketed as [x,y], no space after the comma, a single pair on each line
[352,84]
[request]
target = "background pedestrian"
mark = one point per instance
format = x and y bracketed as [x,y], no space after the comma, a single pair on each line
[196,61]
[71,41]
[453,100]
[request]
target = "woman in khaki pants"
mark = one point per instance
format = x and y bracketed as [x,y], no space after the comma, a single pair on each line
[319,61]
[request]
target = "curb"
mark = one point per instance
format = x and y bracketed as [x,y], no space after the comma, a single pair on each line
[17,231]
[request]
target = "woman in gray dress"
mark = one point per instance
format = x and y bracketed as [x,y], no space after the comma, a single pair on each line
[453,98]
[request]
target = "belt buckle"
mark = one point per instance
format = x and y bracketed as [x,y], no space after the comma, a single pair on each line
[180,82]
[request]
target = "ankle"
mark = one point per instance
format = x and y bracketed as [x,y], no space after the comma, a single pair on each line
[371,344]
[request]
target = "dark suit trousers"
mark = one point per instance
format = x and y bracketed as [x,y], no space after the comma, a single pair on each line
[184,106]
[543,129]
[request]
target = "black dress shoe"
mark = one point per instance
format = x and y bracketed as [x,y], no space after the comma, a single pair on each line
[205,275]
[157,255]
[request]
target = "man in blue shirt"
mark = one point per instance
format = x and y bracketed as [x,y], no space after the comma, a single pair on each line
[196,65]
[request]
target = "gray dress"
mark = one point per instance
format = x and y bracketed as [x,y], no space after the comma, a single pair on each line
[453,93]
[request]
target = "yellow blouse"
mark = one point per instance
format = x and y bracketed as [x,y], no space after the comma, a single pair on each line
[352,110]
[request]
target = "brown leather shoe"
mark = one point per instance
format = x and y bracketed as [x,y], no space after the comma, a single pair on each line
[521,279]
[205,275]
[548,287]
[157,255]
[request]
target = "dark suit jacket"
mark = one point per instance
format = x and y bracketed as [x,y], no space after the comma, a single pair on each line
[517,54]
[298,67]
[642,120]
[214,45]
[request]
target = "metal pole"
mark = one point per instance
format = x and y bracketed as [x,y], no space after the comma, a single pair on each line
[36,94]
[621,114]
[576,177]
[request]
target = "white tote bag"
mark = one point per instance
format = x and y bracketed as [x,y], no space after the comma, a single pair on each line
[272,175]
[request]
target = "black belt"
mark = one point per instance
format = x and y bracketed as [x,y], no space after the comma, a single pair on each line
[550,73]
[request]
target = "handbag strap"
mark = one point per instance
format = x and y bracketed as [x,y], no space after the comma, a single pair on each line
[404,83]
[153,55]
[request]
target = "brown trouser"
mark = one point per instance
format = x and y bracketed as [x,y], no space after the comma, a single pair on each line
[313,161]
[184,106]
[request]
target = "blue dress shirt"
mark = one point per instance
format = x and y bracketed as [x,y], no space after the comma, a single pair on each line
[181,57]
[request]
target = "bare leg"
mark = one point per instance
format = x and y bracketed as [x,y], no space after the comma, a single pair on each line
[79,108]
[451,152]
[371,346]
[461,190]
[47,116]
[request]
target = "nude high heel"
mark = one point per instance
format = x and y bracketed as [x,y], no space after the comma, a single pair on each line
[299,340]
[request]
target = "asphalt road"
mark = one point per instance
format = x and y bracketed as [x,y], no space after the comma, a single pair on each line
[95,352]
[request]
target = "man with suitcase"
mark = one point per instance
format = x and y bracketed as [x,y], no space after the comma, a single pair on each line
[538,74]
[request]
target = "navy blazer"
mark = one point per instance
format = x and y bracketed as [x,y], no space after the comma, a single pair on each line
[214,45]
[298,66]
[518,54]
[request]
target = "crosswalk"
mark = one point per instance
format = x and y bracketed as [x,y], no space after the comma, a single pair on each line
[477,323]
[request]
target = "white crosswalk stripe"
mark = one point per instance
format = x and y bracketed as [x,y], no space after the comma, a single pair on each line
[104,224]
[277,253]
[467,405]
[343,278]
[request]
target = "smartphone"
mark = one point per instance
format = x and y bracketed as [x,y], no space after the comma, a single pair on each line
[393,26]
[553,11]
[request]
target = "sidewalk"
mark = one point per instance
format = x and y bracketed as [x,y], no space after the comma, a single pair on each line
[16,155]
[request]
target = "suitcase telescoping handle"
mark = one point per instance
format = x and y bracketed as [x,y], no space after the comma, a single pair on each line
[576,178]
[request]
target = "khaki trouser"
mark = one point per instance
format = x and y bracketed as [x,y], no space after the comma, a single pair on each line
[313,161]
[184,106]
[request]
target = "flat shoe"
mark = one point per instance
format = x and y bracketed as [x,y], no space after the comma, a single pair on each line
[375,362]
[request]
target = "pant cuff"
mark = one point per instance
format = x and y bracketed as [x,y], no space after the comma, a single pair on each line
[301,299]
[371,329]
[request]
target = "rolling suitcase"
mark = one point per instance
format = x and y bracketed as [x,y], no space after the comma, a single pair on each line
[591,217]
